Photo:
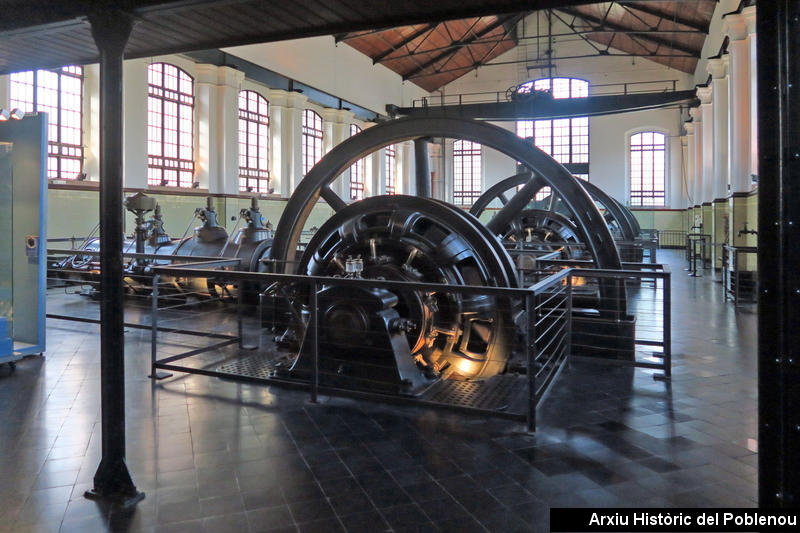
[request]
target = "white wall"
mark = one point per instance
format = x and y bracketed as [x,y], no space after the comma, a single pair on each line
[608,149]
[715,38]
[336,69]
[607,135]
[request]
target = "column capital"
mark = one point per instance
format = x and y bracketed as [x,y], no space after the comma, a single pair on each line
[697,115]
[295,99]
[215,75]
[737,26]
[704,94]
[337,116]
[717,67]
[689,127]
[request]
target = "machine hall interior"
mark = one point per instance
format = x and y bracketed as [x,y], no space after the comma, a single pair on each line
[441,274]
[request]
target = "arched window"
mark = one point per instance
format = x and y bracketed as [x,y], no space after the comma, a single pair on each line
[648,164]
[312,139]
[170,126]
[391,169]
[253,142]
[567,139]
[466,172]
[357,172]
[59,93]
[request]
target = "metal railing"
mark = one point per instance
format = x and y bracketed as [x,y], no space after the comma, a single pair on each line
[487,97]
[698,248]
[545,347]
[138,298]
[740,283]
[649,339]
[675,239]
[637,251]
[194,331]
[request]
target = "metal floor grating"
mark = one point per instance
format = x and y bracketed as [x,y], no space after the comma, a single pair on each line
[506,393]
[260,366]
[499,393]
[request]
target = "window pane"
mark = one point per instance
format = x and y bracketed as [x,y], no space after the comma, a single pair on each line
[391,169]
[467,182]
[648,169]
[253,142]
[59,93]
[566,140]
[357,172]
[170,126]
[312,139]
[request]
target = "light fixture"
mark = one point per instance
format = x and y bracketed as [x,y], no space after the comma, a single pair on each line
[5,114]
[17,114]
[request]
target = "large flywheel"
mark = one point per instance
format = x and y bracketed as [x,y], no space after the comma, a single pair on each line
[415,239]
[316,184]
[616,216]
[405,238]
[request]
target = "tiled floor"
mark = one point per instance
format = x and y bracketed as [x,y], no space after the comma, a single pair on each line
[219,456]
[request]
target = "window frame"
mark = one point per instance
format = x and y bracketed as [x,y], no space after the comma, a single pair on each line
[357,169]
[550,125]
[390,175]
[312,137]
[58,151]
[467,156]
[180,165]
[257,177]
[629,169]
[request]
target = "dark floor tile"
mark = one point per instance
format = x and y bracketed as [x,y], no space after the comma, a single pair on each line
[311,510]
[404,515]
[426,492]
[351,503]
[368,522]
[464,524]
[322,526]
[269,518]
[228,523]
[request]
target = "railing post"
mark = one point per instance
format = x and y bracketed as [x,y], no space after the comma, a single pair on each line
[667,326]
[154,325]
[239,312]
[314,325]
[154,295]
[530,356]
[260,317]
[569,316]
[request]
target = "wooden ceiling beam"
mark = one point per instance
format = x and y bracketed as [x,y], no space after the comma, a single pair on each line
[407,40]
[598,24]
[674,18]
[474,37]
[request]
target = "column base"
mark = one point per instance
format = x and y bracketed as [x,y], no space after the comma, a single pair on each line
[113,484]
[118,500]
[721,231]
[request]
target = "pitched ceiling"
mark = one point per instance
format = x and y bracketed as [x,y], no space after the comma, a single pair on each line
[432,55]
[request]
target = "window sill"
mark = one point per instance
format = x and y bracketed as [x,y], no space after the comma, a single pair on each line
[180,190]
[72,184]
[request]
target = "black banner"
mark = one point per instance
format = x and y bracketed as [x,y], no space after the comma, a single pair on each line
[656,519]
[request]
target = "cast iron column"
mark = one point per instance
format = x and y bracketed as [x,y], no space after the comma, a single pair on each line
[778,253]
[112,481]
[423,171]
